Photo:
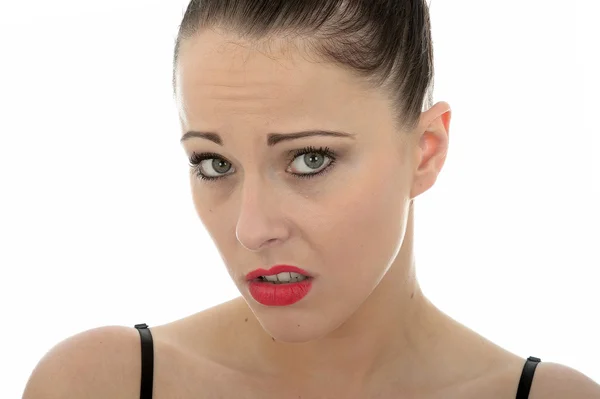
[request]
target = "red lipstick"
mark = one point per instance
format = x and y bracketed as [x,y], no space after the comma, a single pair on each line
[279,293]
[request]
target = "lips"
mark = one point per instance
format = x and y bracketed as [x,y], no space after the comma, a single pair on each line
[253,275]
[286,293]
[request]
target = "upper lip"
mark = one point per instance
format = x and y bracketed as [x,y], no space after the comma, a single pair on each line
[275,270]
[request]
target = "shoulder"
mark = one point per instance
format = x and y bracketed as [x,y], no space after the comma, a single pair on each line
[553,380]
[98,363]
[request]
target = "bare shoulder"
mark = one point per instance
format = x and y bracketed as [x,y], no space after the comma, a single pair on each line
[203,355]
[194,357]
[98,363]
[553,380]
[213,332]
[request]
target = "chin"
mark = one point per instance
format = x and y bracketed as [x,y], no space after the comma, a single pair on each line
[290,335]
[289,325]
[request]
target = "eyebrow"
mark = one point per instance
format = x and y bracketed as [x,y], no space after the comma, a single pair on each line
[272,138]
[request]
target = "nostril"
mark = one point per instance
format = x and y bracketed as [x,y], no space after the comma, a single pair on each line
[269,242]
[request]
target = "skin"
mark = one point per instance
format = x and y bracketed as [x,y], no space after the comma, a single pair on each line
[351,227]
[366,330]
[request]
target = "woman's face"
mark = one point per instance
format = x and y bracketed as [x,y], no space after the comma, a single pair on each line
[335,206]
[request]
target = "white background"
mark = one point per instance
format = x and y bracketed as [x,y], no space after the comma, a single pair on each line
[97,225]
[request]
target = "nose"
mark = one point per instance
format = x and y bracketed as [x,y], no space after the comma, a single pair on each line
[260,223]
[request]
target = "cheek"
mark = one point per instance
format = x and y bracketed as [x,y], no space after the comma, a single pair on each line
[363,226]
[209,199]
[211,213]
[204,209]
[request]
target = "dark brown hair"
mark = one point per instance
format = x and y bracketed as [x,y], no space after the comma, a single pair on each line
[386,42]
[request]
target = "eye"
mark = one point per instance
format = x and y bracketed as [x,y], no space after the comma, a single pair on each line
[209,166]
[309,161]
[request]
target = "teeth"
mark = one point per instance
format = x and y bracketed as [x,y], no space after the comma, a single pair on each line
[284,278]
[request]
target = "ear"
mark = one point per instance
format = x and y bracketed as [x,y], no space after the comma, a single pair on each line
[433,139]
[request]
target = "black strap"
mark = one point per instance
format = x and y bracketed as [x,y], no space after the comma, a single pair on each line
[527,377]
[147,361]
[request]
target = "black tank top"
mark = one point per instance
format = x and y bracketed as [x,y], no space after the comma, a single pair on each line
[148,367]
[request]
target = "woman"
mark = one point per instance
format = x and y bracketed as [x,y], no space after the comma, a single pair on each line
[310,130]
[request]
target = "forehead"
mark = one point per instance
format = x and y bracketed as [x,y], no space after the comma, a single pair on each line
[220,76]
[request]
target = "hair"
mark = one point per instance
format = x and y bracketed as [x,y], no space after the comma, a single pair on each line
[386,42]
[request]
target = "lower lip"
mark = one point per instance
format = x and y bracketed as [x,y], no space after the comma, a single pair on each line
[269,294]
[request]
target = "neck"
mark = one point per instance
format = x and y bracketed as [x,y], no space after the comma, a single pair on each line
[395,324]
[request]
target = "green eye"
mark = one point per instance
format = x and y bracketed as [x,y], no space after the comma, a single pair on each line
[310,163]
[305,163]
[208,166]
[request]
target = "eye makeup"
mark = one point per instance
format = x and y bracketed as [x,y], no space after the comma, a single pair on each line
[198,163]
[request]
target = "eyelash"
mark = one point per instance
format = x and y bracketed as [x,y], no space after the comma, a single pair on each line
[196,159]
